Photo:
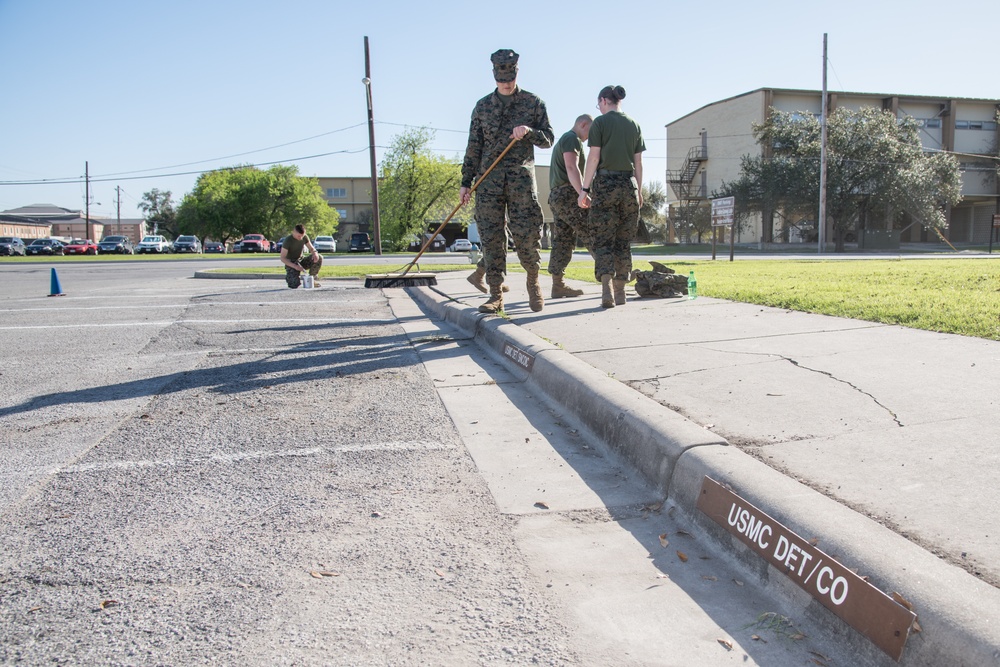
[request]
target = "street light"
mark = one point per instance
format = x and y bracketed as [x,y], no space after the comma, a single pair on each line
[367,81]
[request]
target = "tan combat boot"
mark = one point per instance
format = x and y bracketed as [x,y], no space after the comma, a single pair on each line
[561,289]
[477,279]
[494,304]
[535,298]
[607,300]
[619,286]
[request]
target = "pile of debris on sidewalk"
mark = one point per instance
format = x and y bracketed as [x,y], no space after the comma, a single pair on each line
[662,281]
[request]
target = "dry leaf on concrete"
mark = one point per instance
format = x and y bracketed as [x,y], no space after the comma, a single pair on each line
[108,603]
[901,600]
[682,556]
[315,575]
[439,573]
[758,638]
[663,541]
[708,577]
[329,574]
[542,505]
[725,642]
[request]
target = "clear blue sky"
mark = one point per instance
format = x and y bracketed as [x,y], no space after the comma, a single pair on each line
[153,89]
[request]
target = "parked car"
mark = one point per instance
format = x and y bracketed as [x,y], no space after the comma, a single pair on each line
[460,245]
[120,245]
[45,247]
[80,247]
[216,247]
[254,243]
[360,242]
[156,244]
[187,244]
[11,245]
[325,244]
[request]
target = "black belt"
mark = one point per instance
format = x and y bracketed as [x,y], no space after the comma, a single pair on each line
[609,172]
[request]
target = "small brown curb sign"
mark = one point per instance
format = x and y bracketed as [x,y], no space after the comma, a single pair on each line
[518,356]
[862,606]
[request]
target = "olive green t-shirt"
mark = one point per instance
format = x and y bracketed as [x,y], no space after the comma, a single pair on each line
[568,143]
[619,139]
[294,246]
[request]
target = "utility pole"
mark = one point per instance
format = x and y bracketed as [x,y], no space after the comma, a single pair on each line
[377,243]
[86,222]
[118,189]
[821,225]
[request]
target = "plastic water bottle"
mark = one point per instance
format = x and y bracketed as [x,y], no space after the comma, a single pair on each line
[692,286]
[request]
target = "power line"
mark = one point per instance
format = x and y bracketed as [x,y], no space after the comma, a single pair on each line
[80,179]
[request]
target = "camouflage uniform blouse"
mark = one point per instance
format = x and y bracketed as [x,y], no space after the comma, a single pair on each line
[489,133]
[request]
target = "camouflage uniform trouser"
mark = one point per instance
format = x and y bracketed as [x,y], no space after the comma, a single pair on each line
[570,223]
[614,214]
[292,276]
[525,225]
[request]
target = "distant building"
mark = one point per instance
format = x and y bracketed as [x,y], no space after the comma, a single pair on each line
[705,146]
[44,220]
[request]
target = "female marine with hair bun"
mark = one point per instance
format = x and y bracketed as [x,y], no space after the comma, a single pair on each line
[612,190]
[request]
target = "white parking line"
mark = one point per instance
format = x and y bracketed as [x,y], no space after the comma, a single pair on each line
[282,320]
[259,455]
[214,458]
[186,304]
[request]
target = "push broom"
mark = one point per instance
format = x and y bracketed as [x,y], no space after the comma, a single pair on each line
[404,278]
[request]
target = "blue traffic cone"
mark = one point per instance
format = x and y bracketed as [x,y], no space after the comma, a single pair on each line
[55,289]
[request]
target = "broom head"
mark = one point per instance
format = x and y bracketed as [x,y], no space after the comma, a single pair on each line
[380,280]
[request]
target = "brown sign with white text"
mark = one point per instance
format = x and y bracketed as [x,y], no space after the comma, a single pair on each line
[864,607]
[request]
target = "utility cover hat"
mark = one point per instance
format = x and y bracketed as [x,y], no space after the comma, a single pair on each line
[504,65]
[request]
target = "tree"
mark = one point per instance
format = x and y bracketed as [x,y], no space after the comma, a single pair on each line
[417,189]
[876,171]
[230,203]
[654,198]
[158,210]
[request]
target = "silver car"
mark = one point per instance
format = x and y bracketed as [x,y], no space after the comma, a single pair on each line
[325,244]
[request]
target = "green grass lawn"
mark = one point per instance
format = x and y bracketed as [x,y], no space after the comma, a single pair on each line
[951,296]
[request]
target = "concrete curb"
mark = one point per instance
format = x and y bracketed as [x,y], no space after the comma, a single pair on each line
[213,275]
[959,614]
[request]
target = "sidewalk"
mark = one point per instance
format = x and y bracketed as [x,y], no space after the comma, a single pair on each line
[875,443]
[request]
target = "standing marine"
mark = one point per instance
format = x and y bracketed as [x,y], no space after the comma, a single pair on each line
[565,188]
[509,191]
[612,190]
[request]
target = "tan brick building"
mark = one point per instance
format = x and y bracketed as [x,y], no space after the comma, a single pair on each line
[705,146]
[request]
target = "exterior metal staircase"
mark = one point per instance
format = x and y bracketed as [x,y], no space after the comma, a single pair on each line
[682,180]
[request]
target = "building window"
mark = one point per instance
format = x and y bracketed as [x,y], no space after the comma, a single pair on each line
[933,123]
[342,212]
[336,193]
[961,125]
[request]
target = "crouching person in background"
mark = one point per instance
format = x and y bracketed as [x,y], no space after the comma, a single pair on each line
[295,263]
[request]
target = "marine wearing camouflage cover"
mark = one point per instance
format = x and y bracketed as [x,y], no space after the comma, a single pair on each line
[510,188]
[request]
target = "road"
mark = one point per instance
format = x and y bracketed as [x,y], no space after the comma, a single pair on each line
[228,471]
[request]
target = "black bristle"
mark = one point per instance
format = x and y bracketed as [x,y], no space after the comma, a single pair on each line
[388,280]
